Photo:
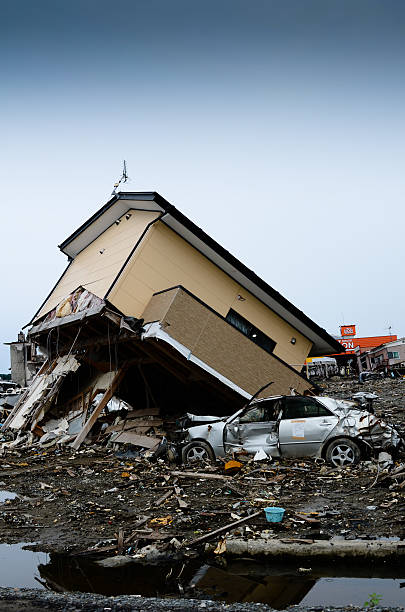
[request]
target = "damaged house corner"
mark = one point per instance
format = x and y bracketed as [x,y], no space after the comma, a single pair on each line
[109,379]
[153,319]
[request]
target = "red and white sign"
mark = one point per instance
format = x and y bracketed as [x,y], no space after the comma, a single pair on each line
[348,344]
[348,330]
[365,344]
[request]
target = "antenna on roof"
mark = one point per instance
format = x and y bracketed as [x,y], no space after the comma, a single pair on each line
[124,178]
[389,330]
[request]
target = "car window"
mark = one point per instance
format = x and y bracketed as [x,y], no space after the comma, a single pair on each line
[303,407]
[260,413]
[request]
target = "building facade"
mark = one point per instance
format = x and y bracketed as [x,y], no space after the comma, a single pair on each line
[386,357]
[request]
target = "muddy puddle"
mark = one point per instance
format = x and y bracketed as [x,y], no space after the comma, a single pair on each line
[238,581]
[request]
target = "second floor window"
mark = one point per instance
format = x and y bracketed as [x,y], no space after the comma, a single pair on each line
[247,328]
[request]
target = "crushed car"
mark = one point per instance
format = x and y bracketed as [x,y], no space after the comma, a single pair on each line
[340,431]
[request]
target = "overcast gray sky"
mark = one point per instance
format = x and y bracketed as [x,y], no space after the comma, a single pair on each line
[277,126]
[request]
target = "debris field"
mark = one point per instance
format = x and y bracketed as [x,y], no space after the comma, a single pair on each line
[98,500]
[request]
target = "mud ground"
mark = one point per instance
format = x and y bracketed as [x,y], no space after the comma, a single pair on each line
[71,501]
[16,600]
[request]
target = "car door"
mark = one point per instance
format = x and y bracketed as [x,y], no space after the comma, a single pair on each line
[304,425]
[253,429]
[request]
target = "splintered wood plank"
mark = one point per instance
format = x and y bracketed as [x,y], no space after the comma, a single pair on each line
[200,475]
[127,437]
[213,534]
[141,426]
[111,428]
[129,423]
[139,430]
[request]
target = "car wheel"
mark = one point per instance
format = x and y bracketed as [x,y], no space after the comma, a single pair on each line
[343,451]
[197,451]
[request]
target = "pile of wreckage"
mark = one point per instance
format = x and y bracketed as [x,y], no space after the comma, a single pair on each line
[108,379]
[69,401]
[95,414]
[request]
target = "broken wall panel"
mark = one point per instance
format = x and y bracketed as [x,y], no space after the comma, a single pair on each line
[128,437]
[41,393]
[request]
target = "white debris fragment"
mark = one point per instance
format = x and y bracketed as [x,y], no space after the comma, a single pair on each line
[261,455]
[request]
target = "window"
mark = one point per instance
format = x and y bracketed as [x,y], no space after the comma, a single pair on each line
[254,415]
[260,413]
[393,355]
[249,330]
[302,408]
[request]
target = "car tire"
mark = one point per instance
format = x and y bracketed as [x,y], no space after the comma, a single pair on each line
[343,451]
[197,451]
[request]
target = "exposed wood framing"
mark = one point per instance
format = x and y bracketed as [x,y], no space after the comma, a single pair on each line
[95,414]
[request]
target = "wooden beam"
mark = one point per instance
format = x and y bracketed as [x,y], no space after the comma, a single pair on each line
[99,340]
[213,534]
[200,475]
[96,413]
[160,361]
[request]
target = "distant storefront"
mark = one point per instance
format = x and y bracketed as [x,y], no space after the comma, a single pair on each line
[387,357]
[355,356]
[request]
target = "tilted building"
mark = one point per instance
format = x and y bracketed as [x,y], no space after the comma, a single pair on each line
[166,317]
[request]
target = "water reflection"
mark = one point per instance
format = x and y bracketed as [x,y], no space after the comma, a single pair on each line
[70,573]
[18,567]
[277,591]
[241,581]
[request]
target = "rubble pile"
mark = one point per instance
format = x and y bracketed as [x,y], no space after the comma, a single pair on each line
[91,499]
[38,417]
[114,499]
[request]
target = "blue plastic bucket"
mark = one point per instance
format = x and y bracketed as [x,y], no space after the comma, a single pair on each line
[274,514]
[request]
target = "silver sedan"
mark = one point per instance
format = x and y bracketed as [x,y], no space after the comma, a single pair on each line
[292,426]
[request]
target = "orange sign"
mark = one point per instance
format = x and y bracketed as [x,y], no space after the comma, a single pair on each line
[348,330]
[365,344]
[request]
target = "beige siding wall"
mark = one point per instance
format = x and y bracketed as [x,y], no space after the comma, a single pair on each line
[96,271]
[221,346]
[164,260]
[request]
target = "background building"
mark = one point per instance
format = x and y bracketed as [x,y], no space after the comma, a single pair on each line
[386,357]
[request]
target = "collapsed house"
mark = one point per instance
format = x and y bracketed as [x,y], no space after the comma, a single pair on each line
[152,318]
